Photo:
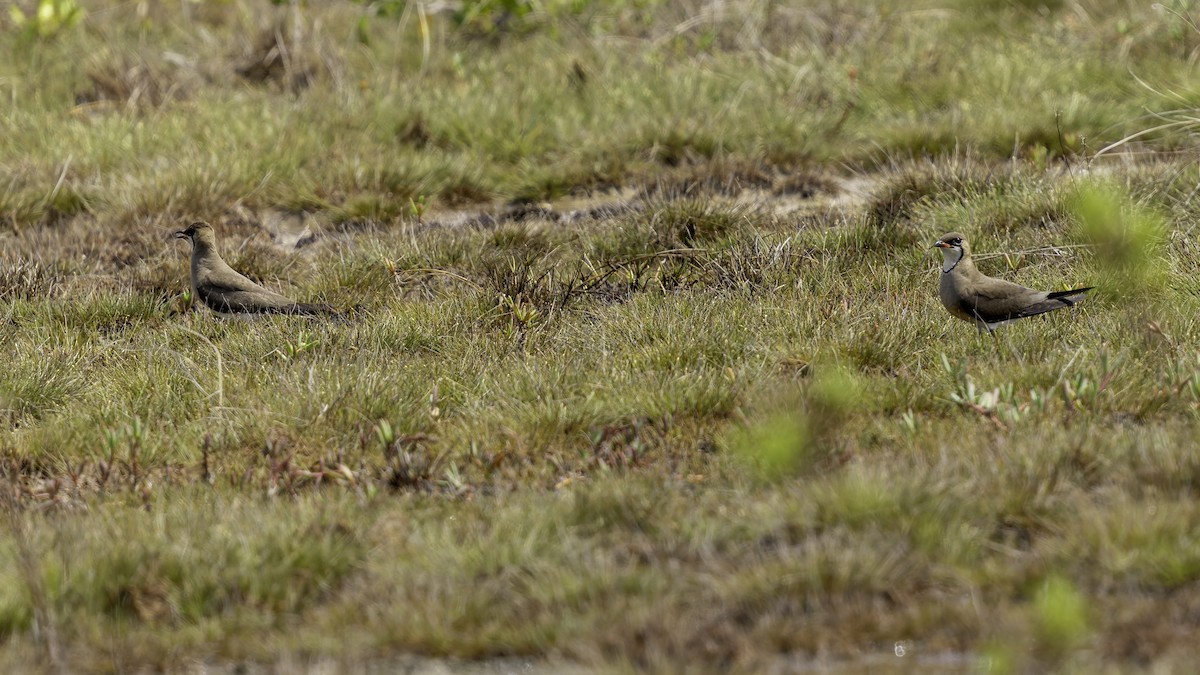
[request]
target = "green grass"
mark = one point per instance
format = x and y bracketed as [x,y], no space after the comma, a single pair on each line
[644,369]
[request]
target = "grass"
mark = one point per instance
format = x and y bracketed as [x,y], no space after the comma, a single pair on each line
[645,369]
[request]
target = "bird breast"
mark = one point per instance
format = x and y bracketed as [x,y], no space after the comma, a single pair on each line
[950,297]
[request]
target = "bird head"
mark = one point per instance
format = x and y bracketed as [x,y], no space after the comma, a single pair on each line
[199,232]
[954,247]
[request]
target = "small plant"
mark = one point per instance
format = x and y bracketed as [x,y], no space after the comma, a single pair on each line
[1062,617]
[484,17]
[524,314]
[1084,390]
[51,18]
[1128,240]
[1182,378]
[492,11]
[808,438]
[185,300]
[411,465]
[416,208]
[291,349]
[132,435]
[777,448]
[998,405]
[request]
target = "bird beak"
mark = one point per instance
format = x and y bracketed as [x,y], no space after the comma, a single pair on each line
[181,235]
[940,244]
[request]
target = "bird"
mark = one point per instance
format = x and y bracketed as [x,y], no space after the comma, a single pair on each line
[986,301]
[229,293]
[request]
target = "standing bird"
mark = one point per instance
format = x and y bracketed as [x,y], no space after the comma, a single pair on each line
[985,301]
[223,290]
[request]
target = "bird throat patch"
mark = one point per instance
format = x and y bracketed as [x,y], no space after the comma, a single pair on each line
[947,265]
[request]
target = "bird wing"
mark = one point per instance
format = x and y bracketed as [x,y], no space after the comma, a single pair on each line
[995,300]
[237,298]
[1055,300]
[225,278]
[224,289]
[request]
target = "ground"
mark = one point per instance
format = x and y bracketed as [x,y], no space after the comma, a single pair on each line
[641,367]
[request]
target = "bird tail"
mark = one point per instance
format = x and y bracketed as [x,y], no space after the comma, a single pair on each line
[1070,297]
[312,309]
[1057,300]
